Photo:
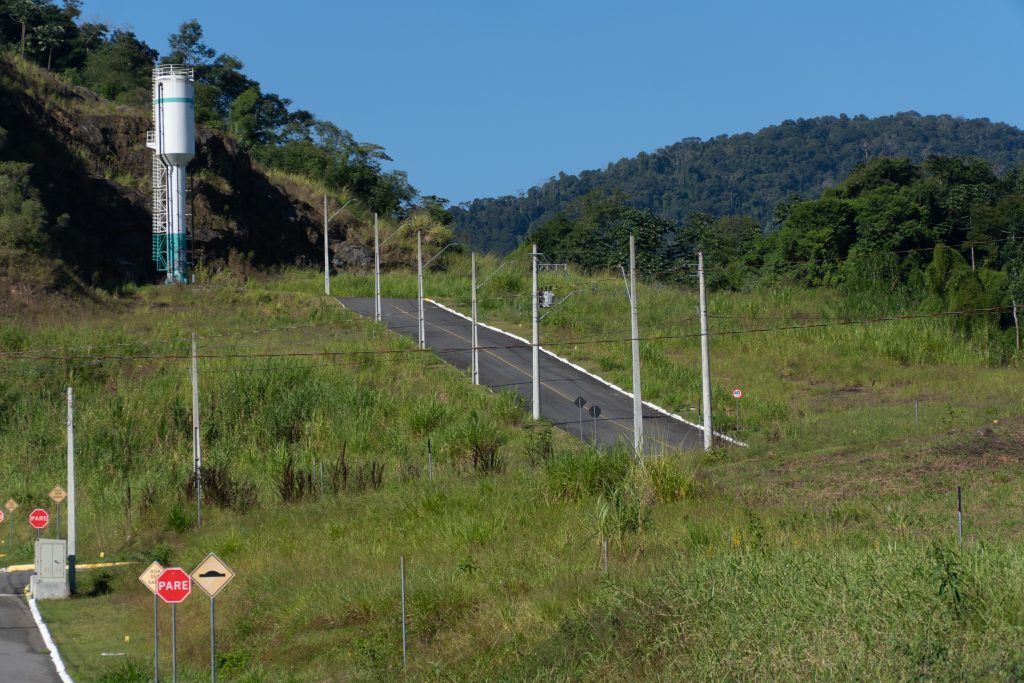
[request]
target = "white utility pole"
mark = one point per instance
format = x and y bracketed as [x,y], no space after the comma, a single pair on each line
[71,490]
[475,360]
[638,405]
[705,355]
[197,447]
[419,289]
[327,261]
[536,341]
[376,269]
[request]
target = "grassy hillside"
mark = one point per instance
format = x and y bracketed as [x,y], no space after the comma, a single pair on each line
[827,549]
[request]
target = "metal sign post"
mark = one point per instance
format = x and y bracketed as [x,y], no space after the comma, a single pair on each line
[57,495]
[211,576]
[580,402]
[595,412]
[10,506]
[148,579]
[173,586]
[737,394]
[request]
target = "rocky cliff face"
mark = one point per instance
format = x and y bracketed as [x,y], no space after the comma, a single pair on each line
[92,168]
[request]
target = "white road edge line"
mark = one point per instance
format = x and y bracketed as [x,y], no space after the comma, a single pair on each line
[48,640]
[587,372]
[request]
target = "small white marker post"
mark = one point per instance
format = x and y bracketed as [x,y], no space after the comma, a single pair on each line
[959,518]
[430,461]
[401,571]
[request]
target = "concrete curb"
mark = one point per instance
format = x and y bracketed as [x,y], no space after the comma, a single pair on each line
[588,373]
[58,663]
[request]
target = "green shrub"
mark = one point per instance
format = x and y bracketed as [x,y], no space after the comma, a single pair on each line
[591,472]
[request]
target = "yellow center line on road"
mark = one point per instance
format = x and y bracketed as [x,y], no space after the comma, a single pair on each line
[513,365]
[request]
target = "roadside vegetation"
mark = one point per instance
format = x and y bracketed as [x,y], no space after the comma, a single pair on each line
[825,549]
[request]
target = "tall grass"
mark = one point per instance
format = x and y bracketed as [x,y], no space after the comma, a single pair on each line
[823,551]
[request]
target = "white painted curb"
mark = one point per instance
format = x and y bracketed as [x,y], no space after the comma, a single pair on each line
[48,641]
[587,372]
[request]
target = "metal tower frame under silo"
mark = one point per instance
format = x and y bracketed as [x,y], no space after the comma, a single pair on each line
[169,250]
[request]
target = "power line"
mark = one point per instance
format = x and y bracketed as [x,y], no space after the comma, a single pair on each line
[518,345]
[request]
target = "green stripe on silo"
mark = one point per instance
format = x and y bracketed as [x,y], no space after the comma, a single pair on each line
[164,100]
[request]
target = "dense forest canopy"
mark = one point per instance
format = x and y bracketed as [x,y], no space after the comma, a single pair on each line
[894,237]
[117,65]
[747,174]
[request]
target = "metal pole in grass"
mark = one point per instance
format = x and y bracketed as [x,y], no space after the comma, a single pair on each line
[634,324]
[213,644]
[174,643]
[604,554]
[475,359]
[421,328]
[705,356]
[401,571]
[197,447]
[959,518]
[376,270]
[156,639]
[536,340]
[430,461]
[72,583]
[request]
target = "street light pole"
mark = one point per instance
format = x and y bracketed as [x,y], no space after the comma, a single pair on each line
[419,289]
[705,355]
[536,341]
[327,258]
[475,360]
[638,417]
[376,269]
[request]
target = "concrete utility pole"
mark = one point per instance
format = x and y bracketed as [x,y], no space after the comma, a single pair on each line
[536,341]
[327,259]
[705,355]
[419,290]
[638,405]
[71,490]
[376,269]
[475,360]
[197,448]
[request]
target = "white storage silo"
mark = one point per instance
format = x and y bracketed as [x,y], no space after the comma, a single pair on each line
[173,145]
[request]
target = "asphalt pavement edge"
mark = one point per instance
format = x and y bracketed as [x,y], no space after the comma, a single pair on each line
[58,663]
[600,379]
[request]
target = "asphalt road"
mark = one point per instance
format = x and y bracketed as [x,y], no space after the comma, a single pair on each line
[506,364]
[23,656]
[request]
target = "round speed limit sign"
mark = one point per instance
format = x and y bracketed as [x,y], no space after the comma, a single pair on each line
[737,393]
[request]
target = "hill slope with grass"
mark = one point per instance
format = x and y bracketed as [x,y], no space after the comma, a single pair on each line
[836,526]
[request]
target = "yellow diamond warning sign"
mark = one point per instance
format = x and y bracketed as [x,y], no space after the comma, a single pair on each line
[212,575]
[58,494]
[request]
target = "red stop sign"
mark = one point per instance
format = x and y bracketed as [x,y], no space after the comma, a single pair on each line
[1,515]
[173,585]
[39,518]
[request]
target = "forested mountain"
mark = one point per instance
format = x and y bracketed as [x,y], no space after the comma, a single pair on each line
[743,175]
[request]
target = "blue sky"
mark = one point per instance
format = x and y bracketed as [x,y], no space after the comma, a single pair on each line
[482,98]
